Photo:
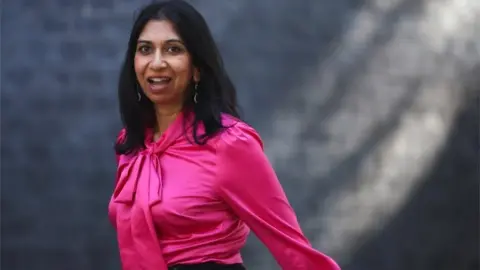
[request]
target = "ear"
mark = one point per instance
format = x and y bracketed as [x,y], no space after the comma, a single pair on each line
[196,75]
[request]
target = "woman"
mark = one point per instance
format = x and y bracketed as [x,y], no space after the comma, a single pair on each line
[192,178]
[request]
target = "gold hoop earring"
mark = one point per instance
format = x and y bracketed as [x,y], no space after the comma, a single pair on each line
[195,96]
[139,96]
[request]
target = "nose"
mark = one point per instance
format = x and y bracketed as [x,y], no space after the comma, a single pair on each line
[158,61]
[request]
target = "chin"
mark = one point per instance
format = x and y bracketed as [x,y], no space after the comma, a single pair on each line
[161,100]
[164,99]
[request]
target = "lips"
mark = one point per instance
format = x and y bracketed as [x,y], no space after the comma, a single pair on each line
[157,80]
[158,83]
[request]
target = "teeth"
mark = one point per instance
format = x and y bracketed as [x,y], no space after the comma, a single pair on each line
[159,79]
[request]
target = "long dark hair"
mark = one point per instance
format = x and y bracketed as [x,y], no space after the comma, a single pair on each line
[216,92]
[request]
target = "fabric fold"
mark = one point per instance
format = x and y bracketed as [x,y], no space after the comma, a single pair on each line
[139,187]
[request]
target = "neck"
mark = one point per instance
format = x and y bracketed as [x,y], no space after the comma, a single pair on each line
[164,117]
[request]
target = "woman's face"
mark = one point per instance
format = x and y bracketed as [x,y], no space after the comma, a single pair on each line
[163,65]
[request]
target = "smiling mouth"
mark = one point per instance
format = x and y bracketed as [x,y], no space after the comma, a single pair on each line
[158,80]
[158,84]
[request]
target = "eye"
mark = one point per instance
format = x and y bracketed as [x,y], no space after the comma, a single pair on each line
[144,49]
[174,49]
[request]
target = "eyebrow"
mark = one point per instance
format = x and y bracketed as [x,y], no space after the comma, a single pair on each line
[172,40]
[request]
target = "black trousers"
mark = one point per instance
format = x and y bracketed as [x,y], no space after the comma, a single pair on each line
[207,266]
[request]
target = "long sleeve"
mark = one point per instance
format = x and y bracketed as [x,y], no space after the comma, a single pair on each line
[249,185]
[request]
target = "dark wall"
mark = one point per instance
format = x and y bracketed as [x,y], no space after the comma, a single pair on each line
[363,107]
[438,226]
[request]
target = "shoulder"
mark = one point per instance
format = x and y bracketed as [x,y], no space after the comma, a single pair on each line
[238,136]
[239,153]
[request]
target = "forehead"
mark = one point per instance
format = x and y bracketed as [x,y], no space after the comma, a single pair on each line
[159,30]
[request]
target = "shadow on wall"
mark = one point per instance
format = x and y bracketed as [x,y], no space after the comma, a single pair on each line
[346,77]
[269,46]
[345,82]
[437,229]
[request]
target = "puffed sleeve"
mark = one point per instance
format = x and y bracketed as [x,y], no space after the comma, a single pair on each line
[249,185]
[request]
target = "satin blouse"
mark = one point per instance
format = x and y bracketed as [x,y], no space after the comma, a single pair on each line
[180,203]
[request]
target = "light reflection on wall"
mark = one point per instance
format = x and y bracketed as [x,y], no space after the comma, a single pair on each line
[406,98]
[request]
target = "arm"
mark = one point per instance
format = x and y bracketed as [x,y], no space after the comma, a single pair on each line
[247,182]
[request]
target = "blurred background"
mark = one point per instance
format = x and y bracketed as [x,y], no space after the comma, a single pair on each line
[368,109]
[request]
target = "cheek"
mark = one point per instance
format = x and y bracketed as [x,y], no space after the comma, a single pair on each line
[184,73]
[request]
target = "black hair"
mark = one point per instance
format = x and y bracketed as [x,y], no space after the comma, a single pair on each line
[216,92]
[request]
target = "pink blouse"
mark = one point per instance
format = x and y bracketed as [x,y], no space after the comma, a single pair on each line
[181,203]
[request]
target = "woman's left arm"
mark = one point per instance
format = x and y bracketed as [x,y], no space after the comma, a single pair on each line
[249,185]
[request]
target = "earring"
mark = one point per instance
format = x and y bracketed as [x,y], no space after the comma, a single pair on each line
[139,96]
[196,94]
